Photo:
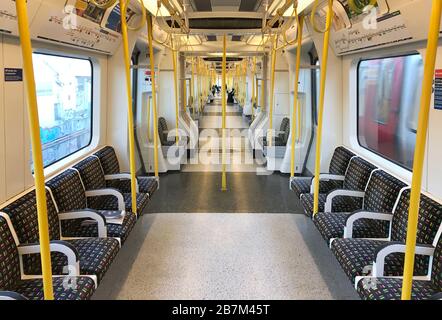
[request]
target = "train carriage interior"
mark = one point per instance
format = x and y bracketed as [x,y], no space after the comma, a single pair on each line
[220,150]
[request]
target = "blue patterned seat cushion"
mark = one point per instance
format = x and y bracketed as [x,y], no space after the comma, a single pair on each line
[111,202]
[354,255]
[340,204]
[145,185]
[113,230]
[301,186]
[96,256]
[33,289]
[391,289]
[331,225]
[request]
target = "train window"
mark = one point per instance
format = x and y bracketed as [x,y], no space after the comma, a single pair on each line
[64,95]
[388,103]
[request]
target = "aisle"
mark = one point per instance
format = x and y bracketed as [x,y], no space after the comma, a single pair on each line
[238,152]
[225,256]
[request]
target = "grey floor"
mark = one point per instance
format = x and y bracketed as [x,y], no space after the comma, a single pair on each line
[200,192]
[251,242]
[225,256]
[239,248]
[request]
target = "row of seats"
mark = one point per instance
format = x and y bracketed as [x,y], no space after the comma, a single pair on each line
[89,215]
[363,217]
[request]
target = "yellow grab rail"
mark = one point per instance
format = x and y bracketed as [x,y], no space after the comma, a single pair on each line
[295,94]
[419,153]
[154,93]
[37,157]
[130,116]
[272,97]
[313,20]
[192,87]
[321,105]
[175,84]
[224,106]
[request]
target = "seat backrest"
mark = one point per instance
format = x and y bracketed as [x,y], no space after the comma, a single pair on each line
[68,191]
[382,192]
[91,173]
[162,130]
[24,218]
[358,174]
[9,260]
[429,219]
[285,130]
[109,160]
[436,271]
[340,160]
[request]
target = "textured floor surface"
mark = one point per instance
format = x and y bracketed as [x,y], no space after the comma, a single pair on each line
[247,192]
[225,256]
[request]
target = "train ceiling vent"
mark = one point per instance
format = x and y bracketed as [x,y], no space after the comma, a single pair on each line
[221,5]
[237,38]
[212,38]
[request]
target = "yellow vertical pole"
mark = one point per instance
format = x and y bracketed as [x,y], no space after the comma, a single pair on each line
[224,106]
[130,116]
[272,94]
[154,93]
[295,93]
[253,87]
[37,157]
[419,152]
[175,83]
[192,86]
[321,105]
[263,101]
[185,94]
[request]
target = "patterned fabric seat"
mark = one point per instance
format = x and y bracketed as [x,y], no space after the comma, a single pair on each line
[69,195]
[163,132]
[356,256]
[380,197]
[111,203]
[391,288]
[340,204]
[338,166]
[331,225]
[356,179]
[281,139]
[93,178]
[11,280]
[96,254]
[109,163]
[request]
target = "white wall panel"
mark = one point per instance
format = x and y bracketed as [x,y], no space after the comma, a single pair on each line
[14,115]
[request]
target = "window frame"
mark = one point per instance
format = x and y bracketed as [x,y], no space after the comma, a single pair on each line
[37,52]
[383,156]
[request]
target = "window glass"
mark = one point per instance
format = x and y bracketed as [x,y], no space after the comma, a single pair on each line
[389,92]
[64,95]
